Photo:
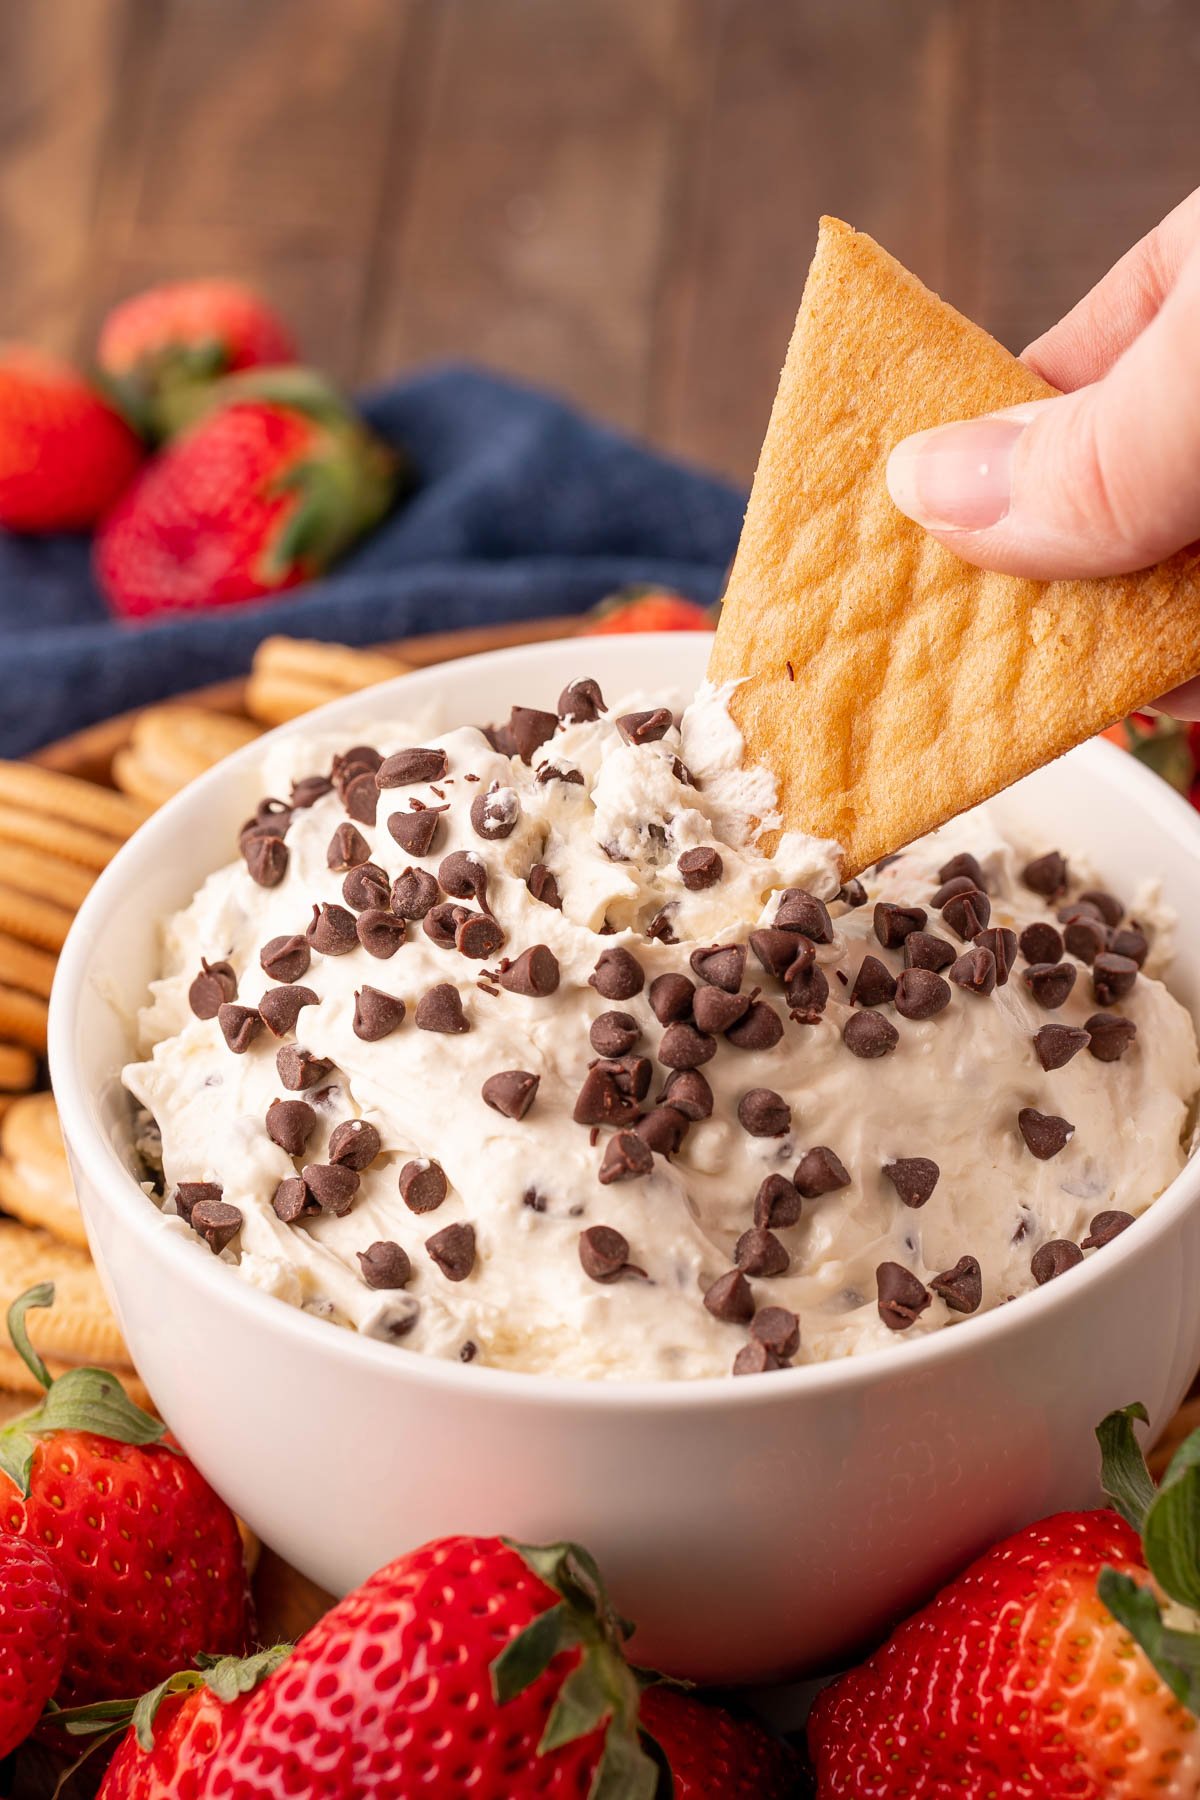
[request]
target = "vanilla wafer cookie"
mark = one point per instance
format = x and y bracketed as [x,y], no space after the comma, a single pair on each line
[172,745]
[32,830]
[18,1068]
[32,921]
[23,1018]
[35,1180]
[66,797]
[290,676]
[22,966]
[43,875]
[79,1327]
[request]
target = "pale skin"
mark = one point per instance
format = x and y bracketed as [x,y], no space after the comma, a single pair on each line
[1105,479]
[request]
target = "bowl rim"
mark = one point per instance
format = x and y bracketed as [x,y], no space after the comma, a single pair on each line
[92,1148]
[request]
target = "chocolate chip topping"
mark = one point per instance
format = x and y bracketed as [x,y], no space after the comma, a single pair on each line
[453,1250]
[755,1359]
[581,702]
[1046,875]
[853,894]
[308,790]
[731,1299]
[366,886]
[1050,983]
[360,759]
[332,1185]
[240,1025]
[380,932]
[292,1200]
[603,1252]
[361,799]
[1054,1258]
[802,912]
[714,1011]
[543,886]
[894,923]
[423,1185]
[759,1252]
[867,1034]
[1085,937]
[1106,904]
[1109,1036]
[874,985]
[683,1047]
[285,958]
[967,913]
[535,972]
[280,1007]
[415,831]
[962,1286]
[299,1069]
[1041,943]
[902,1298]
[1002,942]
[290,1125]
[671,998]
[913,1177]
[188,1193]
[613,1033]
[777,1203]
[1045,1134]
[1055,1045]
[627,1157]
[975,971]
[663,1129]
[216,1222]
[1112,977]
[347,848]
[494,814]
[511,1092]
[924,950]
[414,892]
[807,991]
[441,1009]
[777,950]
[442,921]
[409,766]
[922,994]
[266,857]
[463,875]
[963,864]
[331,931]
[688,1090]
[478,937]
[700,868]
[1104,1228]
[777,1330]
[617,975]
[376,1014]
[820,1171]
[385,1265]
[500,738]
[214,987]
[1130,941]
[645,727]
[722,965]
[764,1113]
[271,819]
[354,1144]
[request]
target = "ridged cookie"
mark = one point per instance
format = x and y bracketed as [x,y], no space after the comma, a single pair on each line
[290,676]
[35,1180]
[172,745]
[79,1327]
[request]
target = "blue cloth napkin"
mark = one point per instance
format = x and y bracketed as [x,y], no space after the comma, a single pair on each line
[522,509]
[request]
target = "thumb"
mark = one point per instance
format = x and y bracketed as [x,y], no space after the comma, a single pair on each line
[1098,482]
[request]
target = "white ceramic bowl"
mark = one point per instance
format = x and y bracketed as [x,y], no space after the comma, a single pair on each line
[753,1528]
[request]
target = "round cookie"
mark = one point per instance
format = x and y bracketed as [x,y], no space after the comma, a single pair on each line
[35,1180]
[79,1328]
[172,745]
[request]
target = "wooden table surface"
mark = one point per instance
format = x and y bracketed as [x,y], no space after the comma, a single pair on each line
[615,197]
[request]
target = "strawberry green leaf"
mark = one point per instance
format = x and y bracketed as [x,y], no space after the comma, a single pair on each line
[1165,748]
[1123,1472]
[532,1651]
[35,1297]
[229,1676]
[627,1772]
[1171,1532]
[1174,1654]
[584,1702]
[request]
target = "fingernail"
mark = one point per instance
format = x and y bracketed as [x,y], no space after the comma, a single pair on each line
[956,477]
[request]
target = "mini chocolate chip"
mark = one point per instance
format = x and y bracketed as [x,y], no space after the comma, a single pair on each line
[308,790]
[478,937]
[581,702]
[1054,1258]
[442,921]
[759,1252]
[347,848]
[240,1025]
[409,766]
[975,971]
[760,1029]
[543,886]
[214,987]
[962,1286]
[660,927]
[290,1125]
[700,868]
[495,812]
[266,858]
[802,912]
[1113,977]
[853,894]
[913,1177]
[807,989]
[626,1157]
[776,950]
[441,1009]
[1055,1045]
[453,1250]
[949,890]
[963,864]
[764,1113]
[361,798]
[188,1193]
[1046,875]
[333,1186]
[331,931]
[564,772]
[511,1092]
[216,1222]
[671,998]
[1086,938]
[469,1351]
[535,972]
[683,1047]
[385,1265]
[292,1200]
[280,1007]
[867,1034]
[603,1252]
[1106,904]
[1110,1036]
[1079,909]
[756,1359]
[663,1128]
[967,913]
[723,965]
[1050,983]
[1045,1134]
[366,886]
[414,893]
[606,1097]
[1003,945]
[894,923]
[463,875]
[530,729]
[376,1014]
[360,759]
[1104,1228]
[777,1203]
[285,958]
[617,975]
[924,950]
[645,727]
[922,994]
[714,1011]
[819,1171]
[500,738]
[1130,941]
[874,985]
[613,1033]
[1041,943]
[731,1299]
[380,932]
[902,1298]
[270,816]
[299,1069]
[423,1185]
[777,1330]
[354,1144]
[415,831]
[688,1090]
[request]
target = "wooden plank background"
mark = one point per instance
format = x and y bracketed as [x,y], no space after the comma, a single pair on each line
[614,197]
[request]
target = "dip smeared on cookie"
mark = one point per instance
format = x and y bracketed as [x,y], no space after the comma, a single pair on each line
[509,1046]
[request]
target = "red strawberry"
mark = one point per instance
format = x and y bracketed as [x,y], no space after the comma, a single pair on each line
[150,1557]
[649,609]
[264,491]
[1045,1669]
[33,1618]
[712,1755]
[65,454]
[159,346]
